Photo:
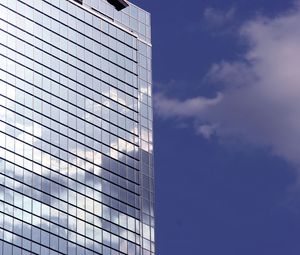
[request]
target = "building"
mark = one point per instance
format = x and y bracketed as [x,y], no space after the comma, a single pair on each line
[76,157]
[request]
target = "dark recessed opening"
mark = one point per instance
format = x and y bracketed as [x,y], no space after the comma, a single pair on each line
[78,1]
[118,4]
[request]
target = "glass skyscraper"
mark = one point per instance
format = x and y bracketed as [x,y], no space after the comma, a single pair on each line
[76,139]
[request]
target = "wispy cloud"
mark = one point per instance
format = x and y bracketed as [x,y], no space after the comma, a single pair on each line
[194,107]
[217,17]
[259,98]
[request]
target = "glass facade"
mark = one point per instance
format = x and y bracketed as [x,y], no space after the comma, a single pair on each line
[76,137]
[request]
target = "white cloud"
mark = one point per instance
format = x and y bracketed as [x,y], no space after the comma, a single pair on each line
[218,17]
[259,97]
[189,108]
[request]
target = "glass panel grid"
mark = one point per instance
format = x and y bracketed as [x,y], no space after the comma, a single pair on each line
[76,159]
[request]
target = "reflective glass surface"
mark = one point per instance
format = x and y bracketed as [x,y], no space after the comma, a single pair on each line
[76,136]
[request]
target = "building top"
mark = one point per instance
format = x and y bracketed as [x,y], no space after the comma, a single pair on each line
[124,14]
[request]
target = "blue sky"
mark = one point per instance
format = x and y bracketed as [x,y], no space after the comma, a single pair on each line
[227,126]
